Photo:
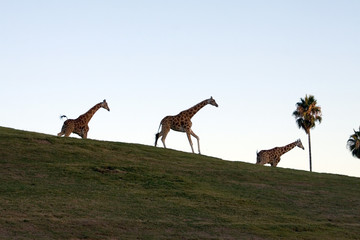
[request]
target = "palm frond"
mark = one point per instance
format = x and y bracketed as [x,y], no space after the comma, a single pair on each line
[353,144]
[307,113]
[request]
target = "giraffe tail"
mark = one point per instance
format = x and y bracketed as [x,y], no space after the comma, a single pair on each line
[156,138]
[157,135]
[258,160]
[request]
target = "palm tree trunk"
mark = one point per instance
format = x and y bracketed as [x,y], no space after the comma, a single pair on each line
[310,151]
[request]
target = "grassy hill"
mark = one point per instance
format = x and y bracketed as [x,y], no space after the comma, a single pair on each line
[67,188]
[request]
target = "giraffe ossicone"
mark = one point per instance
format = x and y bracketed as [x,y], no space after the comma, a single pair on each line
[182,123]
[272,156]
[79,125]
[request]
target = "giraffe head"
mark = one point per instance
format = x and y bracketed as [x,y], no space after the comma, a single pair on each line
[105,105]
[212,102]
[299,144]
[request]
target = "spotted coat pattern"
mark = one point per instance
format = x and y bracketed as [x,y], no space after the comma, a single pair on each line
[79,125]
[272,156]
[182,123]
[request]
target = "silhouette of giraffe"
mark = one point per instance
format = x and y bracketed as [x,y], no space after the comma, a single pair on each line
[182,123]
[80,125]
[272,156]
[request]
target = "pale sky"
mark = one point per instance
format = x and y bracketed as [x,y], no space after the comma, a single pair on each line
[150,59]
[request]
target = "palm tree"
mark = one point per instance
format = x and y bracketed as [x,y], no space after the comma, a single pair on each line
[307,113]
[354,144]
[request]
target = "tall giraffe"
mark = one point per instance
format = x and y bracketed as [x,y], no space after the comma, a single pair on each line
[272,156]
[182,123]
[80,125]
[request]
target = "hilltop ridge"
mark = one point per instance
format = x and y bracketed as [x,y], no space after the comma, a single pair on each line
[68,188]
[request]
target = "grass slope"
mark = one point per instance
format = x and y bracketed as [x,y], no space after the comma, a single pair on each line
[67,188]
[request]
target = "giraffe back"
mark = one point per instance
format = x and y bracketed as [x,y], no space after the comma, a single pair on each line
[80,125]
[273,155]
[177,123]
[267,156]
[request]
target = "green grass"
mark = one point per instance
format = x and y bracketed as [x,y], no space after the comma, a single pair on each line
[68,188]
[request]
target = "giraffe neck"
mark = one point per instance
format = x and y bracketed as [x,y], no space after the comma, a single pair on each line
[86,117]
[193,110]
[287,148]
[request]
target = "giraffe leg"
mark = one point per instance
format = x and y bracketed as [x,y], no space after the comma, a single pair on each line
[189,138]
[62,131]
[197,138]
[84,136]
[262,162]
[85,131]
[164,133]
[60,134]
[275,162]
[67,132]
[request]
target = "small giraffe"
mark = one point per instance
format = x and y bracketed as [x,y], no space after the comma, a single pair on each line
[272,156]
[80,125]
[182,123]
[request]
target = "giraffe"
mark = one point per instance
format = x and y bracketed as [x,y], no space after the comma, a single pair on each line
[182,123]
[272,156]
[80,125]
